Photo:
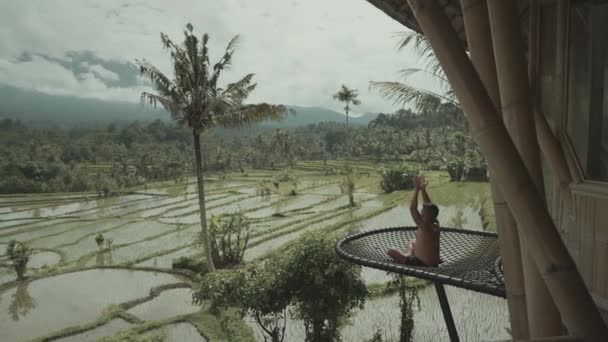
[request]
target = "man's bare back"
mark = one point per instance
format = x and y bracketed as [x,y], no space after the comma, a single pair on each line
[424,251]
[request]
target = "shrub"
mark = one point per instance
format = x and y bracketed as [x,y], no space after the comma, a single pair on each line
[324,287]
[19,253]
[229,237]
[399,177]
[264,189]
[189,263]
[99,239]
[258,290]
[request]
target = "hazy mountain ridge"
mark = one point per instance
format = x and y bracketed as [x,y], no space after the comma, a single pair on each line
[41,110]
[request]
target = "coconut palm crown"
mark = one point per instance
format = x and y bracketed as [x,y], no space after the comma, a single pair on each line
[348,97]
[195,98]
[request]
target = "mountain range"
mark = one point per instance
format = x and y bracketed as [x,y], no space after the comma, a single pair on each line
[43,110]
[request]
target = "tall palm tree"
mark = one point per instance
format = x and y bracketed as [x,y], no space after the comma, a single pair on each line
[348,97]
[194,98]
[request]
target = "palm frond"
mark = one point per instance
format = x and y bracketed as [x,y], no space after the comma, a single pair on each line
[252,113]
[408,72]
[423,100]
[224,62]
[167,103]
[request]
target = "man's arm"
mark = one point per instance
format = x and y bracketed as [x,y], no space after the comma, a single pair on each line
[425,195]
[414,206]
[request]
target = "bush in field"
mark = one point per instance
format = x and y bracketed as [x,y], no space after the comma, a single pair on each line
[189,263]
[399,177]
[99,239]
[264,189]
[321,287]
[229,237]
[258,290]
[19,253]
[284,176]
[324,287]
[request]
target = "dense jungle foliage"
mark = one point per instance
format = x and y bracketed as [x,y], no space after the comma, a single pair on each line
[109,159]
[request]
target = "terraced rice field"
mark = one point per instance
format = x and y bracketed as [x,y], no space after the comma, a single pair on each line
[79,292]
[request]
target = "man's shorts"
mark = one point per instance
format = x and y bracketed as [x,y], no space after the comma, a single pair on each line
[414,261]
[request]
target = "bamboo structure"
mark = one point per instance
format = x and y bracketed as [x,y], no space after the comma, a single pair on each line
[561,76]
[563,280]
[549,143]
[544,319]
[477,28]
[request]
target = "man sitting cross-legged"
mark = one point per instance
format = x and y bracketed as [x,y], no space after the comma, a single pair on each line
[424,250]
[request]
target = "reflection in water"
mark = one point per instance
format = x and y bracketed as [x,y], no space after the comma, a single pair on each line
[459,220]
[104,257]
[22,302]
[356,226]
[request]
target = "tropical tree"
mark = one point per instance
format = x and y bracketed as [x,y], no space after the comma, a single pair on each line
[348,97]
[195,98]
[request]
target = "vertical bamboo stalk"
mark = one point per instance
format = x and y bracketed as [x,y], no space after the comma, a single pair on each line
[479,39]
[527,205]
[544,319]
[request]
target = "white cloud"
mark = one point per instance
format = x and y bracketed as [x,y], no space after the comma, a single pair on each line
[45,76]
[301,52]
[103,73]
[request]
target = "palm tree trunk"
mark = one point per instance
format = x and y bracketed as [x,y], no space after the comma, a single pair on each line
[347,114]
[201,199]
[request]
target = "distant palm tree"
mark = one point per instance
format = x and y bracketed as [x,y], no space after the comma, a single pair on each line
[424,101]
[348,97]
[194,98]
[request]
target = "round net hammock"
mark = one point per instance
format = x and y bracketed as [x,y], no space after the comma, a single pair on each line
[470,259]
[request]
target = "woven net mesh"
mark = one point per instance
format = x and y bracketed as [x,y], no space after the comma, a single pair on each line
[470,259]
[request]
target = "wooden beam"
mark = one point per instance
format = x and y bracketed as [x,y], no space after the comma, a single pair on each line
[479,38]
[516,104]
[565,283]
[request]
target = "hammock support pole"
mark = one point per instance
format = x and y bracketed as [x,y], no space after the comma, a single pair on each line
[447,313]
[558,269]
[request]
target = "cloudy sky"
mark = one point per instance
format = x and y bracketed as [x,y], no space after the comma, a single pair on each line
[301,51]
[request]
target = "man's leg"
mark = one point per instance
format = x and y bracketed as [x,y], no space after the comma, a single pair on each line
[397,256]
[400,257]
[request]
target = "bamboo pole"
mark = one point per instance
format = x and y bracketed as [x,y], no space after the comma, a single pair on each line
[479,40]
[558,269]
[516,104]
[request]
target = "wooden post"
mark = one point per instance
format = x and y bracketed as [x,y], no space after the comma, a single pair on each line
[479,40]
[516,103]
[565,283]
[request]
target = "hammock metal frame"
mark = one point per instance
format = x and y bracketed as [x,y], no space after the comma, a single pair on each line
[470,260]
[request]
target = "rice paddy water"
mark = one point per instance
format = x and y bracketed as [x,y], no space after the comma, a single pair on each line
[72,295]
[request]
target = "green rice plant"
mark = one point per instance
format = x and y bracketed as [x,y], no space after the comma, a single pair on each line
[19,253]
